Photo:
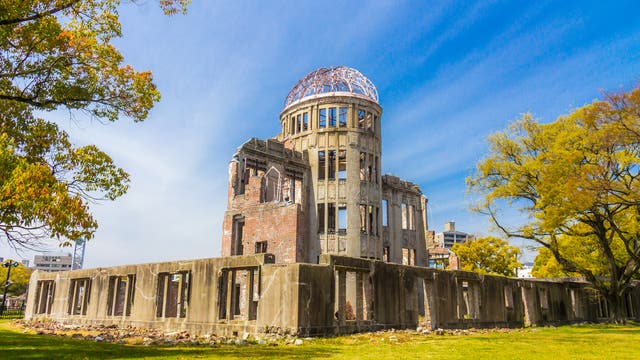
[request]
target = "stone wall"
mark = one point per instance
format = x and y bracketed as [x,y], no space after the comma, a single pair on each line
[251,294]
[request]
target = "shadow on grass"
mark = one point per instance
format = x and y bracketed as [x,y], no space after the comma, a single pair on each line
[16,345]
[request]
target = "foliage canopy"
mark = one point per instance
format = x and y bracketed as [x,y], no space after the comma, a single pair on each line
[577,182]
[19,278]
[58,54]
[488,255]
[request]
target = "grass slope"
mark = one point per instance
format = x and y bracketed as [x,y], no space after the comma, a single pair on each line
[567,342]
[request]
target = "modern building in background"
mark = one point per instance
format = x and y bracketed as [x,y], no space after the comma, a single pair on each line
[451,236]
[53,262]
[317,187]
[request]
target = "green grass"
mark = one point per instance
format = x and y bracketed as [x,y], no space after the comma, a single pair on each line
[567,342]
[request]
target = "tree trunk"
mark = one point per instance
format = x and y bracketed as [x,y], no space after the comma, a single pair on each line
[617,311]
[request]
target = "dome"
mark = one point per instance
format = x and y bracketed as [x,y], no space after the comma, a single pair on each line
[332,80]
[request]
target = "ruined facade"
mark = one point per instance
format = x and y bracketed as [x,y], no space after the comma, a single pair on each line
[317,188]
[251,294]
[315,242]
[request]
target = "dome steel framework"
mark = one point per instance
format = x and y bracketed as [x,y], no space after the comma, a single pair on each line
[334,79]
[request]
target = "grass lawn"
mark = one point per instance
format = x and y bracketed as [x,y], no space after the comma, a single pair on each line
[567,342]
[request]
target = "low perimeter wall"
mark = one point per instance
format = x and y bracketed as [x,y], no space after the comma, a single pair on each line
[250,294]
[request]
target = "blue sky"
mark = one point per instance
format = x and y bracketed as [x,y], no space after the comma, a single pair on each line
[448,74]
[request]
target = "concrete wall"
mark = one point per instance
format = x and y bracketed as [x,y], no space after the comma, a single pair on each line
[238,294]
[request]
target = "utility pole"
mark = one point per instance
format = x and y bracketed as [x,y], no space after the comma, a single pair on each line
[8,264]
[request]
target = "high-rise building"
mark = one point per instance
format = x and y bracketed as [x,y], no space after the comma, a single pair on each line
[317,187]
[52,262]
[451,236]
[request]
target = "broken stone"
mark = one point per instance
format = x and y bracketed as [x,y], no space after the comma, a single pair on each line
[298,342]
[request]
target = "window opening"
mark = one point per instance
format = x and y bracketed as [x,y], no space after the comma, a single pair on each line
[172,299]
[342,164]
[45,291]
[544,300]
[238,294]
[508,297]
[371,221]
[363,166]
[271,186]
[120,295]
[321,218]
[331,209]
[342,219]
[322,118]
[385,219]
[305,121]
[222,295]
[321,165]
[237,234]
[342,116]
[404,216]
[236,299]
[363,219]
[332,165]
[412,225]
[375,169]
[298,123]
[361,116]
[261,247]
[332,117]
[79,292]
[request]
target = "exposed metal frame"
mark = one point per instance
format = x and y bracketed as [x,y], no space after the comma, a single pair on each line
[334,79]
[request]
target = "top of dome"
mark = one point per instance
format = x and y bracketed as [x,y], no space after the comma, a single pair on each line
[332,80]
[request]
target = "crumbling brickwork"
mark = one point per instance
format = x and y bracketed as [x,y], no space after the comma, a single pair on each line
[266,205]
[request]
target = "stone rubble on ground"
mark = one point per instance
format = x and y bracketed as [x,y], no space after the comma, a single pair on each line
[150,337]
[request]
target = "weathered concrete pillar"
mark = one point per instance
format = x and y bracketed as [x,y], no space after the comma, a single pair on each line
[359,298]
[529,307]
[430,317]
[367,290]
[231,279]
[342,297]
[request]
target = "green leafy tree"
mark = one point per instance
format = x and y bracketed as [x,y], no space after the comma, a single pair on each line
[58,54]
[488,255]
[577,182]
[19,279]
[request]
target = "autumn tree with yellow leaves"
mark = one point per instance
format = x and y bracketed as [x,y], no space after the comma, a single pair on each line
[577,182]
[488,255]
[58,54]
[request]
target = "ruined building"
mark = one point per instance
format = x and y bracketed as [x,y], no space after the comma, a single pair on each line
[317,188]
[316,242]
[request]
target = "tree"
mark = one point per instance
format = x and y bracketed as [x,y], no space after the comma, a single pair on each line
[546,266]
[57,54]
[488,255]
[19,279]
[583,251]
[577,181]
